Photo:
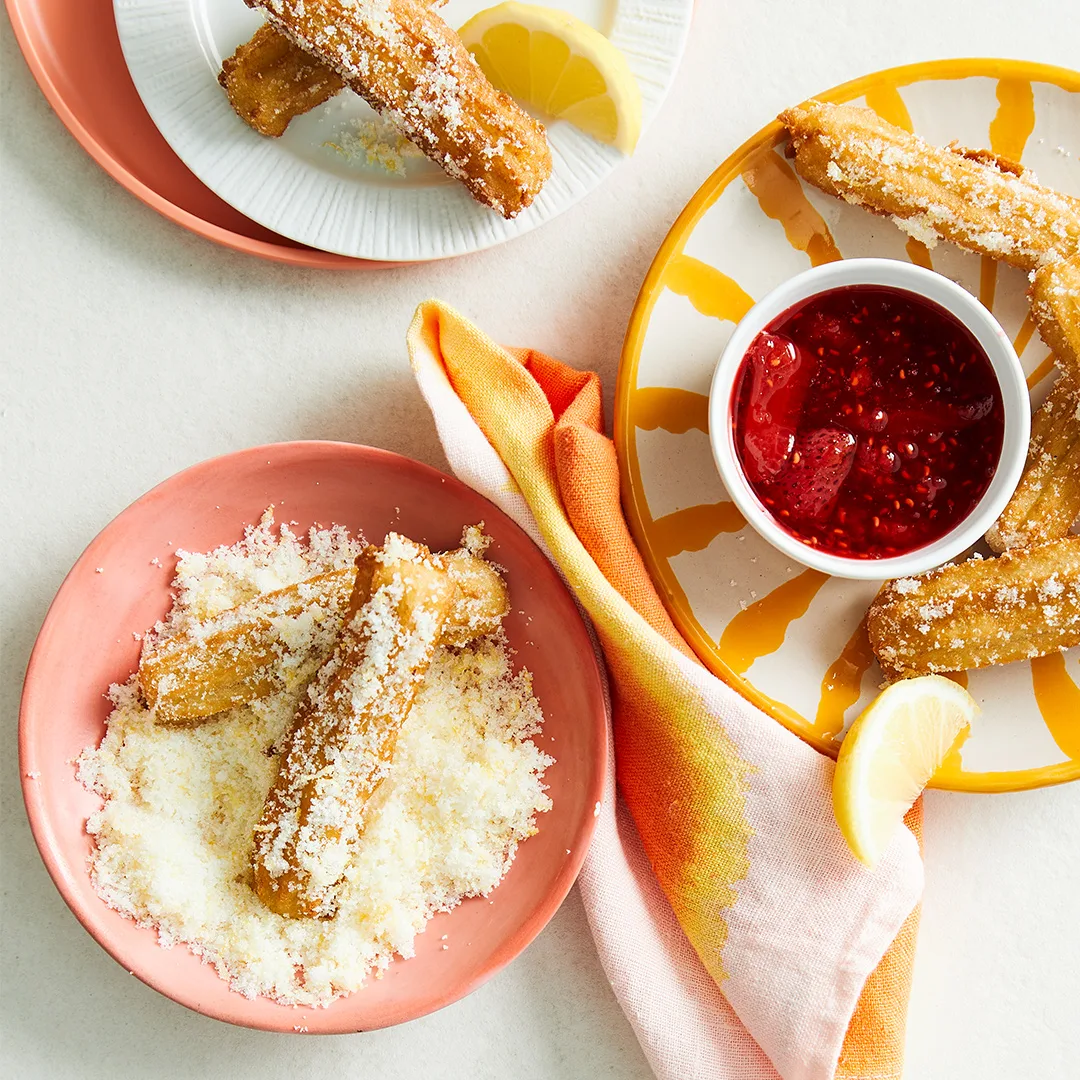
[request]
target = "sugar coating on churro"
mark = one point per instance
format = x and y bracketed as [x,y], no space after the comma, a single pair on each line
[1055,306]
[971,197]
[1046,502]
[277,640]
[173,839]
[414,70]
[1022,604]
[346,728]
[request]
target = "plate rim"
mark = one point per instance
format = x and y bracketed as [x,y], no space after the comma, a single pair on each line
[702,199]
[19,12]
[64,876]
[483,233]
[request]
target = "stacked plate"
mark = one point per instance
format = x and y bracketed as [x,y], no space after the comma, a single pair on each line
[136,82]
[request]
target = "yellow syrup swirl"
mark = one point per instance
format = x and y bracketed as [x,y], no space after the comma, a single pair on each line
[918,253]
[886,101]
[781,196]
[694,528]
[1015,120]
[711,291]
[1058,698]
[842,685]
[760,628]
[670,409]
[1023,335]
[1041,372]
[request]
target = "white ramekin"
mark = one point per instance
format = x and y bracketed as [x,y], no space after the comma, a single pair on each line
[923,283]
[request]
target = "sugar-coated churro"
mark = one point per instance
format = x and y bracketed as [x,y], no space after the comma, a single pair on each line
[971,197]
[251,651]
[413,69]
[1019,605]
[244,653]
[342,741]
[270,80]
[1046,502]
[1055,306]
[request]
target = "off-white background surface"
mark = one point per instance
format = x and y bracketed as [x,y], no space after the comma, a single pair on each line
[131,349]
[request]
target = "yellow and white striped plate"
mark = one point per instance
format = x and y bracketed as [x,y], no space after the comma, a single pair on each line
[792,639]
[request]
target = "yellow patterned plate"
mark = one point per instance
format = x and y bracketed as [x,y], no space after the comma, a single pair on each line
[792,639]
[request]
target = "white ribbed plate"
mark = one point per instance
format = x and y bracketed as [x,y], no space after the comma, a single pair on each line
[304,189]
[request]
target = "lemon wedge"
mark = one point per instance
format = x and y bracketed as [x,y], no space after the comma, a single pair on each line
[890,754]
[559,66]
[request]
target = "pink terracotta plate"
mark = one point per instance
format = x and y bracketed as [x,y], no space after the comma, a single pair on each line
[73,52]
[86,643]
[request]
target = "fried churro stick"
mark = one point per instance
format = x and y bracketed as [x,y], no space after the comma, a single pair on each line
[1020,605]
[342,740]
[246,653]
[270,80]
[1055,305]
[414,70]
[1046,502]
[971,197]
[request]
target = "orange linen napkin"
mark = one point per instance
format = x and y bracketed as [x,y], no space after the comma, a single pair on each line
[739,934]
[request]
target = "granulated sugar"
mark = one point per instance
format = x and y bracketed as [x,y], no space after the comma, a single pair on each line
[174,838]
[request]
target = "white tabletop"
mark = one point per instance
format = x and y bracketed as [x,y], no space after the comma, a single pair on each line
[132,349]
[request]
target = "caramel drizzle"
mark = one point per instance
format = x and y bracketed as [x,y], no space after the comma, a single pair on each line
[987,282]
[842,685]
[670,409]
[1058,698]
[1023,335]
[711,291]
[780,195]
[886,101]
[760,628]
[694,528]
[1015,120]
[918,253]
[1041,372]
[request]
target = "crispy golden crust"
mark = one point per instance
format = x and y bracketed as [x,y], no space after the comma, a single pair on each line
[1046,502]
[1055,306]
[970,197]
[1020,605]
[270,80]
[414,70]
[237,657]
[340,746]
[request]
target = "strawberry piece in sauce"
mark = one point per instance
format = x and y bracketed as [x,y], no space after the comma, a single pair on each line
[937,416]
[807,491]
[776,379]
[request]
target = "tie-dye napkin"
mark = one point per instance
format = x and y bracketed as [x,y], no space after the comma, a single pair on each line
[740,936]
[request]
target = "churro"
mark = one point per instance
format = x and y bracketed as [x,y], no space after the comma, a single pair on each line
[1046,502]
[1022,604]
[276,641]
[972,197]
[413,69]
[270,80]
[341,744]
[1055,306]
[172,835]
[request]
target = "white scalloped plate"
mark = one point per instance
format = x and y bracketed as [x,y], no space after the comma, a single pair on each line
[303,188]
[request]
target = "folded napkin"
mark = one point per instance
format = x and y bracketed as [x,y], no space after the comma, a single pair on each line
[739,934]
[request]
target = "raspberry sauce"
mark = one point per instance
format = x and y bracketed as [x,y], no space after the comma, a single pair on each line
[868,421]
